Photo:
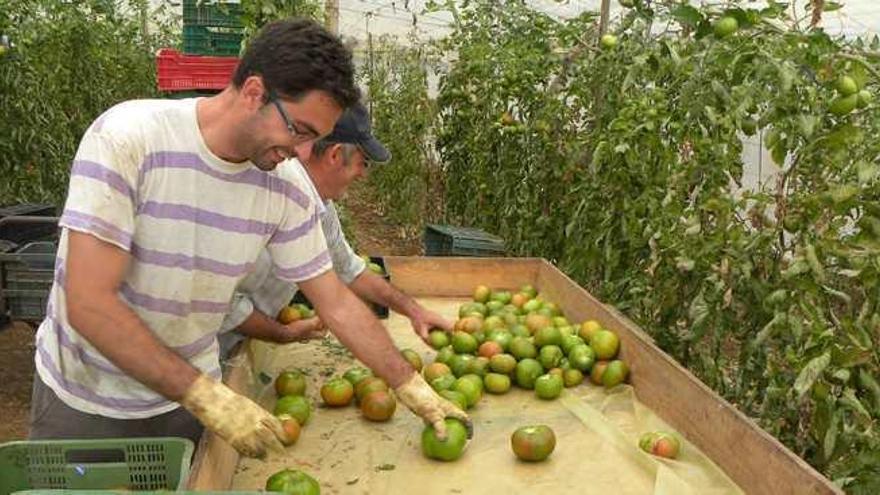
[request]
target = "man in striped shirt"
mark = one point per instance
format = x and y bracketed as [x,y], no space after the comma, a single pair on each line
[169,206]
[331,165]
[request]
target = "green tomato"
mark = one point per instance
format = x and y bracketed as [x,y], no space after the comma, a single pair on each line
[608,41]
[726,26]
[846,86]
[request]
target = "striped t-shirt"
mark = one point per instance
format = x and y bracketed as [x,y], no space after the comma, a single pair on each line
[144,180]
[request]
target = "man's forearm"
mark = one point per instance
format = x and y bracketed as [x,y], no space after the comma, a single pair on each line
[356,327]
[120,335]
[374,288]
[95,270]
[259,326]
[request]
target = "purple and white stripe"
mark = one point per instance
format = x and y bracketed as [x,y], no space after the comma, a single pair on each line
[186,350]
[189,263]
[251,176]
[88,394]
[77,350]
[304,271]
[94,170]
[171,306]
[92,224]
[204,217]
[282,236]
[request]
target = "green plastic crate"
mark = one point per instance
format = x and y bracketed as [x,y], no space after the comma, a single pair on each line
[212,40]
[211,13]
[103,464]
[134,492]
[448,240]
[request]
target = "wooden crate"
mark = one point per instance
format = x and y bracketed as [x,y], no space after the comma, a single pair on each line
[752,458]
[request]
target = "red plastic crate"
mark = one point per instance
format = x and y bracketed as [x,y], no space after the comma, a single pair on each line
[180,72]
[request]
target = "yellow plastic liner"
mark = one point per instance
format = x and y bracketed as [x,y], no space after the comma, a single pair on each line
[597,435]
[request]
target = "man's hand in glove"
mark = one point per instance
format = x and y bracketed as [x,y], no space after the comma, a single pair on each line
[421,399]
[249,428]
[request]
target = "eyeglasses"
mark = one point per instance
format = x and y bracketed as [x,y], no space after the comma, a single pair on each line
[299,135]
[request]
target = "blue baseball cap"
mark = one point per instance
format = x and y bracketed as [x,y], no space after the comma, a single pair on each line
[353,127]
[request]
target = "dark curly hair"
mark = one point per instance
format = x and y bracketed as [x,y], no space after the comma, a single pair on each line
[295,56]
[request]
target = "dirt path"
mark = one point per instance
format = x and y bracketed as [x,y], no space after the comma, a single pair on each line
[371,232]
[16,377]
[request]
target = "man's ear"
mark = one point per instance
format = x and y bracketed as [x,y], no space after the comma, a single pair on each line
[336,154]
[253,92]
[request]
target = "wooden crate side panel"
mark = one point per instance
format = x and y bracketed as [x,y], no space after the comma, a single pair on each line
[457,277]
[754,459]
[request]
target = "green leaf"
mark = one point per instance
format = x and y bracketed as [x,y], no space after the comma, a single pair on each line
[844,193]
[843,296]
[859,75]
[776,297]
[807,125]
[786,77]
[778,153]
[797,267]
[850,400]
[832,6]
[772,137]
[830,440]
[684,264]
[673,53]
[842,375]
[867,381]
[810,373]
[768,330]
[813,262]
[698,310]
[867,171]
[686,15]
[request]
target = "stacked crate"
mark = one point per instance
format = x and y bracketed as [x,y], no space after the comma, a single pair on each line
[212,34]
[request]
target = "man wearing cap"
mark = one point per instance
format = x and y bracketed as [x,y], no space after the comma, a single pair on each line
[331,165]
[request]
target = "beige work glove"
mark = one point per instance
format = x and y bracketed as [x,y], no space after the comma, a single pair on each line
[421,399]
[249,428]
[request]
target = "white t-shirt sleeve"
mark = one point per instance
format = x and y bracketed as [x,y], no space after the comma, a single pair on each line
[102,198]
[298,248]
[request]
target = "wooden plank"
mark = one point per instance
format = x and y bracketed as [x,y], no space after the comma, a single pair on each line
[215,461]
[457,277]
[754,459]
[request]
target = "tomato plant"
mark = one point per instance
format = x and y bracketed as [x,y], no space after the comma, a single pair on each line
[396,82]
[624,166]
[68,63]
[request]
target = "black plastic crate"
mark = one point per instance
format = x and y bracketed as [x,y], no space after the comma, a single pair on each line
[26,277]
[381,312]
[19,225]
[448,240]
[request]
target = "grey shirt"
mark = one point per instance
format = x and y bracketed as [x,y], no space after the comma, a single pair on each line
[262,290]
